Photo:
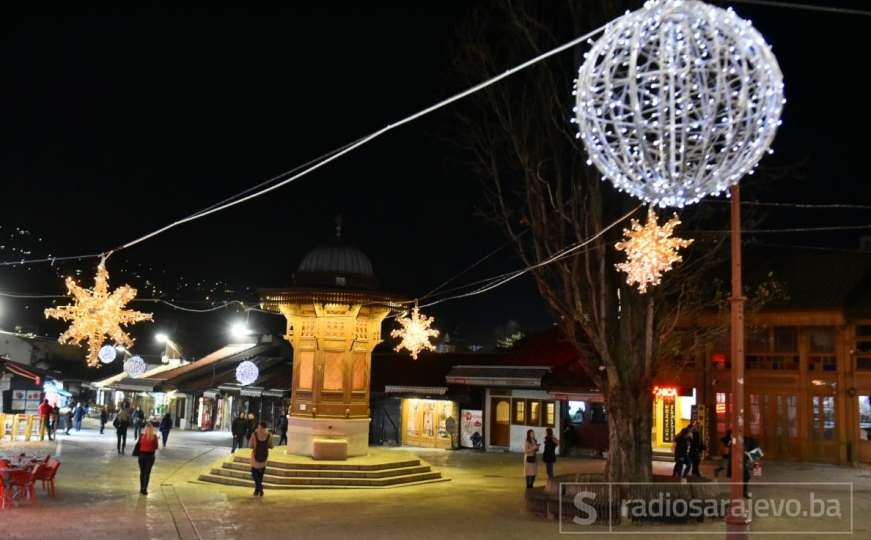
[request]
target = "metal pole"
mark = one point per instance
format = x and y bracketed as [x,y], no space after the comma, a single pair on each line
[737,520]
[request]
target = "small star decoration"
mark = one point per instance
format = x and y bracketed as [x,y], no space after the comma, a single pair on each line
[97,314]
[651,251]
[415,333]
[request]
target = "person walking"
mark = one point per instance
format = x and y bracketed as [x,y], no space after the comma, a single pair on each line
[260,443]
[697,448]
[78,415]
[681,453]
[530,462]
[726,454]
[55,420]
[44,410]
[68,417]
[238,429]
[121,423]
[138,422]
[250,426]
[104,417]
[282,430]
[549,456]
[146,446]
[165,427]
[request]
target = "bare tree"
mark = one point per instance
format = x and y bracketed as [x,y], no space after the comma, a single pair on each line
[545,197]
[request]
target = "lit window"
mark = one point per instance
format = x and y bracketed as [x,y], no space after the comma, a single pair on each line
[550,414]
[519,411]
[534,413]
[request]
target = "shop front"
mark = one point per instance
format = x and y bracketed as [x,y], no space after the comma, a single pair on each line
[673,410]
[430,423]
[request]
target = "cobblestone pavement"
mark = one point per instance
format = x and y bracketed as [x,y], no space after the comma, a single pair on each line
[98,499]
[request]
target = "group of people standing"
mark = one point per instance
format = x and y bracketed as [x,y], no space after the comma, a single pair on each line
[50,419]
[530,455]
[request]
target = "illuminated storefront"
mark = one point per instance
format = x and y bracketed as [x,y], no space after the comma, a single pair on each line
[430,423]
[673,409]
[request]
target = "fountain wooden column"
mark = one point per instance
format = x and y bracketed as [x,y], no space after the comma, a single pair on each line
[334,321]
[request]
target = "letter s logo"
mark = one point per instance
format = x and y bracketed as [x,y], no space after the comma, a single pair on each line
[585,509]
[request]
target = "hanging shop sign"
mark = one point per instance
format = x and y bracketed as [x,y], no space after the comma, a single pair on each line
[668,418]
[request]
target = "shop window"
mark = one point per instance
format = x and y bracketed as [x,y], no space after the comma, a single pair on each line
[577,411]
[865,418]
[773,349]
[755,414]
[520,411]
[534,418]
[823,418]
[721,410]
[550,414]
[792,416]
[822,349]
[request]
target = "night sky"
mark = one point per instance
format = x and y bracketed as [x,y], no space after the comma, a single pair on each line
[115,126]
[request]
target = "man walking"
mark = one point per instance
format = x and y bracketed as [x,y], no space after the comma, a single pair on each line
[121,422]
[104,417]
[44,420]
[282,429]
[138,422]
[78,415]
[697,448]
[238,428]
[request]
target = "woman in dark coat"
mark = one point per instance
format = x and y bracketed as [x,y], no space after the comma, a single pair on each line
[165,427]
[549,456]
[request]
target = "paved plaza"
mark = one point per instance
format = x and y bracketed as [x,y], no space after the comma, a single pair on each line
[98,499]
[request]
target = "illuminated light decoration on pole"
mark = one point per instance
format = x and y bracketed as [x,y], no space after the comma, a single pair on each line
[678,101]
[415,333]
[651,251]
[96,313]
[107,354]
[247,373]
[135,367]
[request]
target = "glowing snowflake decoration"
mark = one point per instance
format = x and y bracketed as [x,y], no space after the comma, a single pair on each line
[135,367]
[97,314]
[415,333]
[677,101]
[651,251]
[247,372]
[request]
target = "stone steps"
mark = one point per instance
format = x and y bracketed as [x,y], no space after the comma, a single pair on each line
[331,473]
[332,466]
[293,472]
[239,482]
[277,482]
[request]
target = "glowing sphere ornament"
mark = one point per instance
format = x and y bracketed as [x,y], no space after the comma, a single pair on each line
[415,333]
[247,372]
[651,251]
[678,101]
[135,367]
[107,354]
[97,314]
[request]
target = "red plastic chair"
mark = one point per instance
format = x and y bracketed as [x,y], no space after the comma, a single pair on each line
[22,483]
[46,475]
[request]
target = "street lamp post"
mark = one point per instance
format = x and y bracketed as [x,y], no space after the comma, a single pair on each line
[737,520]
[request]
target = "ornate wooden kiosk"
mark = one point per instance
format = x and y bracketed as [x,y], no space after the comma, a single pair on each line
[334,316]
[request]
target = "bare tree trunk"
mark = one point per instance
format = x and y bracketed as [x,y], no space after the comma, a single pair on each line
[629,435]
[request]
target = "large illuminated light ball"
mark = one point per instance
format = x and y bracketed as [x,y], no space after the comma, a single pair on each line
[247,372]
[678,101]
[135,367]
[107,354]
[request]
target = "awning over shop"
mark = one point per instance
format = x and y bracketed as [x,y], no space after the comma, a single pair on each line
[514,376]
[416,390]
